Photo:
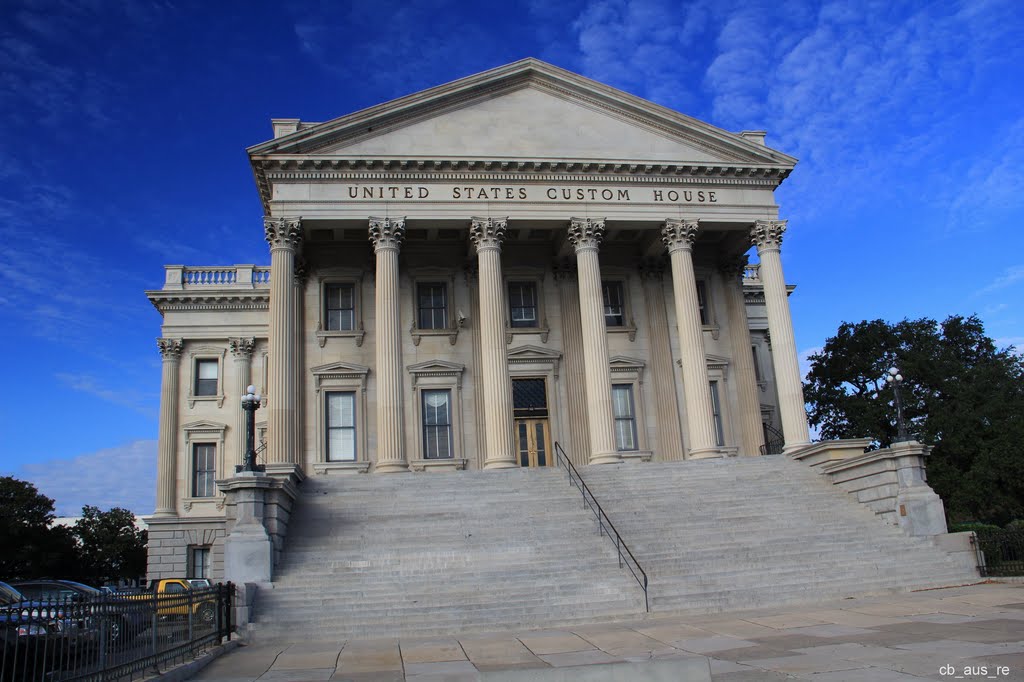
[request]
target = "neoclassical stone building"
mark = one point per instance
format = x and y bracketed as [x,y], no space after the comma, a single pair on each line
[463,277]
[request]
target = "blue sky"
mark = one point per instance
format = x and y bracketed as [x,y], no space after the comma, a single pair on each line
[123,127]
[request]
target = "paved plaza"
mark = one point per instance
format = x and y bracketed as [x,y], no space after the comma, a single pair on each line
[968,633]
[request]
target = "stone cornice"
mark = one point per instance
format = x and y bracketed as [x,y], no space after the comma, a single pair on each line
[166,301]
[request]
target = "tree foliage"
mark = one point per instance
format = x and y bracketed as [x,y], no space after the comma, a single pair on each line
[960,394]
[102,546]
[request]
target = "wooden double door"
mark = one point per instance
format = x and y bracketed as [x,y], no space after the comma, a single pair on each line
[532,429]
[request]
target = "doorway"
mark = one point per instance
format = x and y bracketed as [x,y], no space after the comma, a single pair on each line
[533,433]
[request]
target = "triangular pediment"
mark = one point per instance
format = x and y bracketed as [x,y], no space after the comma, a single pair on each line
[527,353]
[339,368]
[622,362]
[203,425]
[432,366]
[525,110]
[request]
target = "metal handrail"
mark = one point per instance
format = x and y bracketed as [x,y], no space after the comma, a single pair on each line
[604,524]
[774,442]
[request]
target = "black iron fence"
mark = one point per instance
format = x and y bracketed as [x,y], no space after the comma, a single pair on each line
[110,637]
[1000,551]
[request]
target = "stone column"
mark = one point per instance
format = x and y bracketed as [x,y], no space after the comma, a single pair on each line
[241,350]
[679,236]
[487,235]
[767,236]
[298,368]
[669,431]
[285,237]
[748,404]
[586,235]
[575,369]
[472,283]
[167,445]
[387,235]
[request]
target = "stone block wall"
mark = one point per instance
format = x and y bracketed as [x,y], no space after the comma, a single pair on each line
[169,542]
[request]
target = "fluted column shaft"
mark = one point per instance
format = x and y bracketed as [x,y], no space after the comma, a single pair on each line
[487,235]
[767,236]
[167,443]
[298,357]
[284,236]
[669,432]
[586,235]
[387,235]
[747,402]
[241,350]
[679,236]
[575,368]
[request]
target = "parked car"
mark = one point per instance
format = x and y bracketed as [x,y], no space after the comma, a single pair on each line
[200,583]
[175,598]
[91,607]
[37,635]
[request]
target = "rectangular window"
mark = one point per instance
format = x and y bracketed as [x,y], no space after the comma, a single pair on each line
[204,469]
[613,312]
[522,303]
[716,411]
[206,377]
[340,307]
[625,417]
[437,424]
[198,562]
[432,305]
[757,363]
[702,301]
[341,427]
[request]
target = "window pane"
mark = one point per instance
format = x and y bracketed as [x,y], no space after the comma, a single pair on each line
[340,307]
[625,417]
[437,427]
[203,470]
[716,409]
[702,298]
[341,409]
[341,444]
[207,369]
[612,293]
[522,297]
[206,377]
[341,423]
[432,306]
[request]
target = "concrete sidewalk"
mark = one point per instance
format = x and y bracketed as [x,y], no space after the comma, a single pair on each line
[967,633]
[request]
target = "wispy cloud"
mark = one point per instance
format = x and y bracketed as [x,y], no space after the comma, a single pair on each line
[1009,277]
[805,361]
[122,476]
[125,397]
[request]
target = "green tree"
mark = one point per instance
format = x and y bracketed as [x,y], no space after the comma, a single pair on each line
[110,546]
[960,393]
[31,547]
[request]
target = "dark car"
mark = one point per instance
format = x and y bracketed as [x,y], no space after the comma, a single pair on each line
[37,636]
[120,619]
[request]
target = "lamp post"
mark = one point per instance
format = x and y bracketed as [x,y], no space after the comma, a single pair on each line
[250,403]
[894,378]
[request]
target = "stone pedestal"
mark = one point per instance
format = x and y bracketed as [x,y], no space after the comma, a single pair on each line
[919,510]
[248,548]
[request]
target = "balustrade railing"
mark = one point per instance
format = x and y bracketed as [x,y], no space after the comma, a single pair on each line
[752,273]
[604,524]
[228,276]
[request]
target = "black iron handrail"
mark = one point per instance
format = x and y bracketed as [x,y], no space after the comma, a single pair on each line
[774,441]
[604,524]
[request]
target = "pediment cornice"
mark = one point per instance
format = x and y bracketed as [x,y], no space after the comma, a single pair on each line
[219,301]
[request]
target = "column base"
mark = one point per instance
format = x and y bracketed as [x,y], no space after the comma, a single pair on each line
[790,448]
[706,453]
[503,463]
[605,458]
[390,467]
[164,514]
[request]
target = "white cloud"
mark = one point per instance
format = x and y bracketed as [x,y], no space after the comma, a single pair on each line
[122,476]
[1010,276]
[804,358]
[125,397]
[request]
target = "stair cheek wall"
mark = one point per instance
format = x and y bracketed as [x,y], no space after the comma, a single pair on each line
[433,554]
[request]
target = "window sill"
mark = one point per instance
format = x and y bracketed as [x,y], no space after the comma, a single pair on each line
[516,331]
[440,464]
[341,467]
[357,334]
[417,334]
[713,328]
[193,399]
[216,500]
[636,455]
[630,330]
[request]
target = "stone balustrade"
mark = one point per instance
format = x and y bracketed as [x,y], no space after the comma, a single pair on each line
[224,276]
[752,273]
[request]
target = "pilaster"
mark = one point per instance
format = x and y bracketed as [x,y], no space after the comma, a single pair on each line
[766,235]
[487,235]
[575,369]
[167,444]
[387,235]
[748,404]
[678,236]
[669,431]
[586,235]
[284,235]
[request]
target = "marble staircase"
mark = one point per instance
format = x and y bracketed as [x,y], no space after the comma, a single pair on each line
[441,553]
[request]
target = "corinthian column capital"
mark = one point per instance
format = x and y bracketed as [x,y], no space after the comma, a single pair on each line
[586,232]
[283,233]
[488,233]
[679,234]
[170,349]
[733,268]
[387,233]
[767,234]
[242,348]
